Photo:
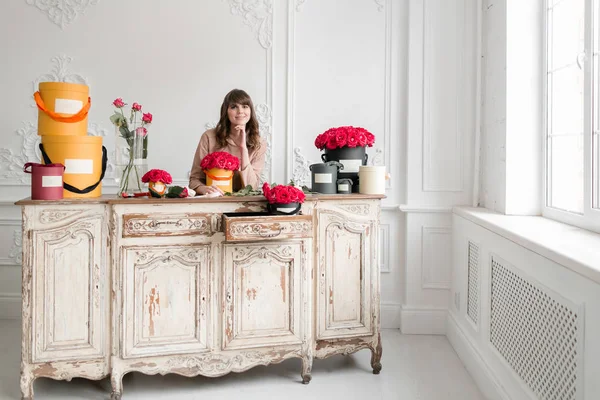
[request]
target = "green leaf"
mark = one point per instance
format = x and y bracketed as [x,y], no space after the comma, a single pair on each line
[174,191]
[118,119]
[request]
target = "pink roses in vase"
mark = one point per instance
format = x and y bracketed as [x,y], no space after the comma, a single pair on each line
[131,145]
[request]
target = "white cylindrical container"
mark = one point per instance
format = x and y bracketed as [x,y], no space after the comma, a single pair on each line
[371,179]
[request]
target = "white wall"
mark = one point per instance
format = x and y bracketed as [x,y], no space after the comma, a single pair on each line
[441,120]
[308,65]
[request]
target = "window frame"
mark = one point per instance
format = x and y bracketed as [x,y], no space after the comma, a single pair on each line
[590,219]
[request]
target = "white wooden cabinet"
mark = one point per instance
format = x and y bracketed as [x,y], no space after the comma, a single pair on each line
[196,287]
[66,330]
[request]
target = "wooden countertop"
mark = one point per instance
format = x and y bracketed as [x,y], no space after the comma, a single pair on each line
[113,199]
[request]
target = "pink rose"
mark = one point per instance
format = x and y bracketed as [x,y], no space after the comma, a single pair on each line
[352,139]
[340,139]
[184,193]
[331,142]
[136,107]
[362,139]
[141,131]
[147,118]
[119,103]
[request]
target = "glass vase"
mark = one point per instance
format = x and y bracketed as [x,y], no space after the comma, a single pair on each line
[131,159]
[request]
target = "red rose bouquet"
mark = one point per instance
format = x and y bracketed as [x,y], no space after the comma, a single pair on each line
[283,194]
[157,180]
[221,160]
[344,136]
[157,175]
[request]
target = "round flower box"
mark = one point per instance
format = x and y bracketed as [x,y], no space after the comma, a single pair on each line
[218,168]
[346,145]
[221,178]
[287,208]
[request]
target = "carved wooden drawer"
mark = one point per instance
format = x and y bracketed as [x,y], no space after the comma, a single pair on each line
[261,226]
[136,225]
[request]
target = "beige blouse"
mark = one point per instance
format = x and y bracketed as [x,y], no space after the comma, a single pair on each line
[247,175]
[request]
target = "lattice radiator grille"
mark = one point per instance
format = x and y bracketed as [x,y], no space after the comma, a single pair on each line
[473,280]
[537,333]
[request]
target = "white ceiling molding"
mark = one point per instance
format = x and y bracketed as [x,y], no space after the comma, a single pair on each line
[62,12]
[258,15]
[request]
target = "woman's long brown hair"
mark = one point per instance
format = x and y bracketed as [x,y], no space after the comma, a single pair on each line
[238,96]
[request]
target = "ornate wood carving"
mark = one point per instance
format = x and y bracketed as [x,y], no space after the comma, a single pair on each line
[135,225]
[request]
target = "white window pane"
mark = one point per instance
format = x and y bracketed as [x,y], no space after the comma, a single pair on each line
[566,172]
[566,112]
[567,32]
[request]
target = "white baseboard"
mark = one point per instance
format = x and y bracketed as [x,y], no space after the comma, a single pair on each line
[390,315]
[10,306]
[474,362]
[423,321]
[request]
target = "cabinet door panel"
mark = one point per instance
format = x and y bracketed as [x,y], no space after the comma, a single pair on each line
[262,289]
[165,300]
[344,294]
[69,278]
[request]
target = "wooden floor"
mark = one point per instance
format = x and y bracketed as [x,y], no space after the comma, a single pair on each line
[414,367]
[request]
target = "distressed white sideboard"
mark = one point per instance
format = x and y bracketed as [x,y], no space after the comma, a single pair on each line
[195,287]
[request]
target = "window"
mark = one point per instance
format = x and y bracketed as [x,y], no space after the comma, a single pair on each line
[572,138]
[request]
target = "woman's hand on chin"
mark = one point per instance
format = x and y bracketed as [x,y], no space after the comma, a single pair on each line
[240,135]
[208,190]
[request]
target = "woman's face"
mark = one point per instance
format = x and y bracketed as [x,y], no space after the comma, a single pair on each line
[238,114]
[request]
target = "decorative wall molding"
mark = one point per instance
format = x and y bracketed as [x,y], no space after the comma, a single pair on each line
[264,116]
[258,15]
[15,256]
[380,4]
[384,247]
[453,180]
[62,12]
[378,159]
[424,209]
[59,73]
[301,175]
[433,259]
[16,250]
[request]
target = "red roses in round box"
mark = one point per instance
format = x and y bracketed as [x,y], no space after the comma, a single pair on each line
[221,160]
[283,194]
[344,136]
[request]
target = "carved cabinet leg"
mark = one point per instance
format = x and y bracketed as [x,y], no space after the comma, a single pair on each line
[376,357]
[116,381]
[27,379]
[306,369]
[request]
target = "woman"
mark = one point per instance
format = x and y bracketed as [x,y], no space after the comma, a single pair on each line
[237,134]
